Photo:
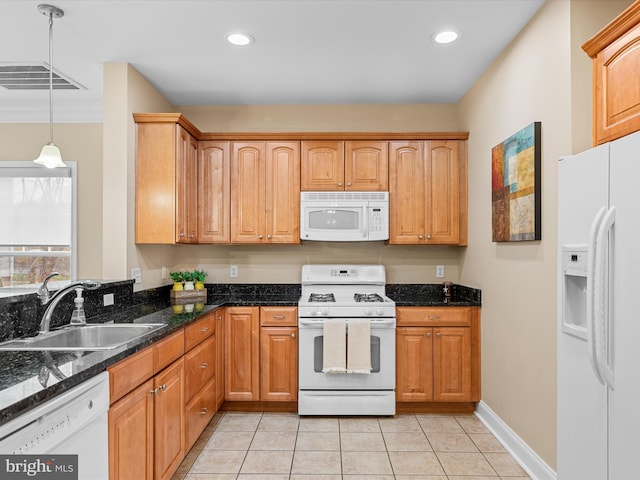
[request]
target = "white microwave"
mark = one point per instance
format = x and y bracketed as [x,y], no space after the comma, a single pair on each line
[344,216]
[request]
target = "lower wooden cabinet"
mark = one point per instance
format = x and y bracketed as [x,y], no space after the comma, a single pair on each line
[199,412]
[279,364]
[437,354]
[242,348]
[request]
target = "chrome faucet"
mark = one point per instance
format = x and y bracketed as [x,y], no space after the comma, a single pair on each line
[55,299]
[43,292]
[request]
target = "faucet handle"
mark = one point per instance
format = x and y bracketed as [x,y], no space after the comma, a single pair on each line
[43,291]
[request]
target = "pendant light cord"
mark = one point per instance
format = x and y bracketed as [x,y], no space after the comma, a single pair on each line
[51,77]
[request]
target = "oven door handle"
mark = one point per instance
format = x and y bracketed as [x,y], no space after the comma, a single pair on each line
[374,323]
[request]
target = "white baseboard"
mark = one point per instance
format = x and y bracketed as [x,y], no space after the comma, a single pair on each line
[529,460]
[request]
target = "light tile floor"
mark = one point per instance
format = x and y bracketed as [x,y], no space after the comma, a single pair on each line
[281,446]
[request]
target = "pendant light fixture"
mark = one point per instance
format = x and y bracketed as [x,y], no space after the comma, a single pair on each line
[50,156]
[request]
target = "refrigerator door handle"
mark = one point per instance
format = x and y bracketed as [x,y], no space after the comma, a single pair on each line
[591,287]
[601,297]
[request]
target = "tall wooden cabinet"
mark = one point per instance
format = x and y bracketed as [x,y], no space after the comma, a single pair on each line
[438,354]
[265,192]
[242,350]
[166,179]
[428,192]
[344,165]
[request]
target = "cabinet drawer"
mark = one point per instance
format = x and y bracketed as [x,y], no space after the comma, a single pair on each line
[199,412]
[200,364]
[126,375]
[433,316]
[198,331]
[279,316]
[168,350]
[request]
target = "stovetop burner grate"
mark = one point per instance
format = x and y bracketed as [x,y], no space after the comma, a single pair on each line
[322,297]
[367,297]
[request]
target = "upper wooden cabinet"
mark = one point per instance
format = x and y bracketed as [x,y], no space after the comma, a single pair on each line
[615,51]
[214,177]
[265,192]
[344,165]
[428,192]
[166,173]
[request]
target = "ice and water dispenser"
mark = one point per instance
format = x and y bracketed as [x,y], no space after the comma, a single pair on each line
[574,290]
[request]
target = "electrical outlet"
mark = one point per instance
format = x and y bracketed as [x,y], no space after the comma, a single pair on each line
[108,299]
[440,271]
[136,274]
[233,271]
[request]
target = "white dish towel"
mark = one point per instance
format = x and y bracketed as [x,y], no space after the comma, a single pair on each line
[334,346]
[359,346]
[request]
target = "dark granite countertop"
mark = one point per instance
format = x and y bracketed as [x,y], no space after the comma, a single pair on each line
[29,378]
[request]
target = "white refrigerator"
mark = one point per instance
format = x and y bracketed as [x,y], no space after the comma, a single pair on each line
[598,312]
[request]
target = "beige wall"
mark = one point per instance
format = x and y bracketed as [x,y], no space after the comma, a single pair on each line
[81,143]
[540,77]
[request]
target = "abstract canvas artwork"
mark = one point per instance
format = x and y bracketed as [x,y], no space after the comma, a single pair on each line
[515,186]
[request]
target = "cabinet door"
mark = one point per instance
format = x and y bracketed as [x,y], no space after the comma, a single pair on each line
[156,183]
[214,193]
[279,364]
[414,378]
[442,192]
[366,166]
[282,192]
[452,364]
[406,193]
[322,165]
[131,435]
[248,192]
[186,187]
[242,353]
[169,428]
[220,346]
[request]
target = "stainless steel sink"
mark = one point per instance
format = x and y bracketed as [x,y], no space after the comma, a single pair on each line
[88,337]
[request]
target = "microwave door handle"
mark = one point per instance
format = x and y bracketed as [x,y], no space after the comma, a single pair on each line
[366,220]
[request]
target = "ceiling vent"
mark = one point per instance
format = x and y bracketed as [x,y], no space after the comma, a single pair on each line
[33,77]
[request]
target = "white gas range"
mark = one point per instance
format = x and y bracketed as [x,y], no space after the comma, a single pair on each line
[352,298]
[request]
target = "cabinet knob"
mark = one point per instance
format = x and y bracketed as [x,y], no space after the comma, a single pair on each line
[204,411]
[181,234]
[293,335]
[191,236]
[429,237]
[269,237]
[260,237]
[348,184]
[429,334]
[218,318]
[163,387]
[339,184]
[204,329]
[438,334]
[154,391]
[204,365]
[420,237]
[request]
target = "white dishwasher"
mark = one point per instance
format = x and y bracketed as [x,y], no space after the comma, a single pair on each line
[74,422]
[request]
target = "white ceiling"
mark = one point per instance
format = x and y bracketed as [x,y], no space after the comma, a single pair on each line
[305,51]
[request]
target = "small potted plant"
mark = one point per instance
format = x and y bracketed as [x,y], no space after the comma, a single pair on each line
[178,278]
[188,280]
[199,276]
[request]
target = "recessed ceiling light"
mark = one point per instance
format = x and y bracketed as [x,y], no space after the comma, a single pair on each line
[446,36]
[240,39]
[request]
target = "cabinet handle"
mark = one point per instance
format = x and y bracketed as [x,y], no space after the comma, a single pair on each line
[434,317]
[278,316]
[181,234]
[420,237]
[204,329]
[163,387]
[293,335]
[429,334]
[154,391]
[204,365]
[218,318]
[204,411]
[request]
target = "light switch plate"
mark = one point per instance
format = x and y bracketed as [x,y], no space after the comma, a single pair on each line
[136,274]
[233,271]
[440,271]
[108,299]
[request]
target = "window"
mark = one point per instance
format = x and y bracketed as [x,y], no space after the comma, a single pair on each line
[37,223]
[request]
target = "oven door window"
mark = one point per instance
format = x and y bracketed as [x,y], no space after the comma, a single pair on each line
[317,354]
[334,219]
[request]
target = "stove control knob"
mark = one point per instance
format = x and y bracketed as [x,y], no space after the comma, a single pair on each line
[312,312]
[368,311]
[379,311]
[325,311]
